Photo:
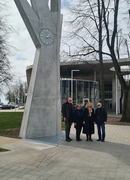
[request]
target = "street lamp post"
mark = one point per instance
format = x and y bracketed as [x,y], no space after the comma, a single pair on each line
[72,82]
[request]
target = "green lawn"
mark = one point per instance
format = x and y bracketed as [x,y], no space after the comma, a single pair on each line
[3,150]
[10,123]
[9,120]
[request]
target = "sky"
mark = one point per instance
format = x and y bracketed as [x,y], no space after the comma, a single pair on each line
[22,47]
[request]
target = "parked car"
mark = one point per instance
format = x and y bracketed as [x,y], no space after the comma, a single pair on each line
[13,104]
[0,106]
[7,106]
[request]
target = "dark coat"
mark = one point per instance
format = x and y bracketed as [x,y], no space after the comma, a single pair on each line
[88,127]
[83,107]
[100,114]
[78,118]
[66,112]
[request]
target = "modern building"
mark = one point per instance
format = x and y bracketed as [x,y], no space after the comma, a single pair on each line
[91,71]
[85,77]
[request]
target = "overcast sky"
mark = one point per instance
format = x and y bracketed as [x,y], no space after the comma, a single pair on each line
[20,39]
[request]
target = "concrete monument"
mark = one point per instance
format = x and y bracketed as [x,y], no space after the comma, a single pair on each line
[42,116]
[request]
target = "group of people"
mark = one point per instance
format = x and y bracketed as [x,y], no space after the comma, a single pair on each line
[84,119]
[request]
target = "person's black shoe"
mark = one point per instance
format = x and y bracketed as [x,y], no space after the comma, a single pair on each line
[86,139]
[80,139]
[68,140]
[102,140]
[90,140]
[77,140]
[99,140]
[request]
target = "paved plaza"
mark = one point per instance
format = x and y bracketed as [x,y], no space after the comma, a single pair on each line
[29,160]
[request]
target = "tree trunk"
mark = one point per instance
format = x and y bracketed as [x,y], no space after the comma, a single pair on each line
[100,54]
[102,84]
[121,101]
[126,106]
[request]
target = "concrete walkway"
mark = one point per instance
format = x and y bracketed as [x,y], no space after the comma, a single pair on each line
[109,160]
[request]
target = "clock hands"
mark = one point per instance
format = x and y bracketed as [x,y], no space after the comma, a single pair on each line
[49,36]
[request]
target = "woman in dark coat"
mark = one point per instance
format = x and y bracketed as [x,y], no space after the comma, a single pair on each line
[78,121]
[88,121]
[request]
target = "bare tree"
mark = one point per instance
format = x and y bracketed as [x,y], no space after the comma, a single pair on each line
[121,42]
[5,75]
[17,92]
[87,25]
[111,38]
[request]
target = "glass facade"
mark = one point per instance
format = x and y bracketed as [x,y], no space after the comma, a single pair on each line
[82,90]
[108,96]
[108,91]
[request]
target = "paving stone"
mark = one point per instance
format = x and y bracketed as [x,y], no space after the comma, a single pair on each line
[70,160]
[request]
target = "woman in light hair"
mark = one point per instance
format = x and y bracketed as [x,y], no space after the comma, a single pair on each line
[78,122]
[88,121]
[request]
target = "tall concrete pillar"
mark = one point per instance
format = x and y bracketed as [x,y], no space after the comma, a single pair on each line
[42,111]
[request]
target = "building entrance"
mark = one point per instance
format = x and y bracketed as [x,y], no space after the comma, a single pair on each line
[85,100]
[108,104]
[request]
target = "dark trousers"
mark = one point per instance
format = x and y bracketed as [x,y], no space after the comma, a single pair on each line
[67,129]
[78,131]
[88,136]
[101,130]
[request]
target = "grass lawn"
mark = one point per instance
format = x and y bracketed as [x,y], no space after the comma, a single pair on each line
[9,120]
[62,126]
[3,150]
[10,123]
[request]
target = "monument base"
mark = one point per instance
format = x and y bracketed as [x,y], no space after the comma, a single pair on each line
[51,140]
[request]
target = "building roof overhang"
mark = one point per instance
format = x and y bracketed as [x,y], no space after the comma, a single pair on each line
[88,69]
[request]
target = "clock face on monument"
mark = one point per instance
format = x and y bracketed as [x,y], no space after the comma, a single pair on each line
[46,36]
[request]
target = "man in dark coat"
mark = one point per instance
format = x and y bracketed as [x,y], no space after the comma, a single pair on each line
[67,112]
[100,119]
